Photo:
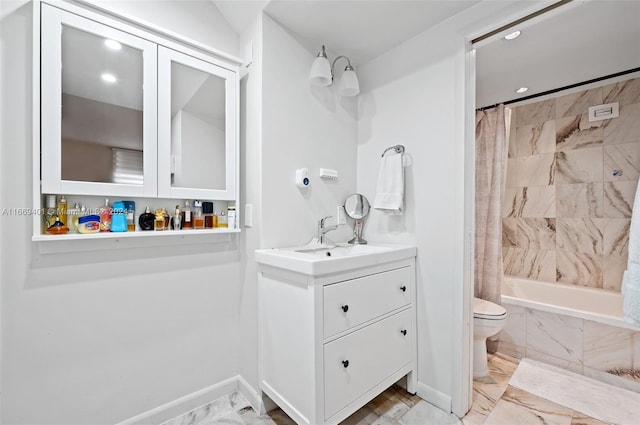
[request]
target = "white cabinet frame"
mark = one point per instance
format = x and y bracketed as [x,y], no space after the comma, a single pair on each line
[51,101]
[165,189]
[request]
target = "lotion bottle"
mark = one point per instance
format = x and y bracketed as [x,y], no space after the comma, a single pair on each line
[105,216]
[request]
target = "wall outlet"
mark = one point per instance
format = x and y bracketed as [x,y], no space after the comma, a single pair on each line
[341,217]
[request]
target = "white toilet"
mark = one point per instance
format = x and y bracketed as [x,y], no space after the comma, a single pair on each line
[488,320]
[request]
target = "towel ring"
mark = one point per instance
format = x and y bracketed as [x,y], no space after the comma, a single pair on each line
[397,148]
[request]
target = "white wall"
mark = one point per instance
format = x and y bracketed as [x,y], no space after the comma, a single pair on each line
[303,126]
[199,20]
[287,125]
[98,337]
[250,193]
[419,95]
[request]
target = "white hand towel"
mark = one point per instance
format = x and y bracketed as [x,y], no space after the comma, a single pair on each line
[390,189]
[631,279]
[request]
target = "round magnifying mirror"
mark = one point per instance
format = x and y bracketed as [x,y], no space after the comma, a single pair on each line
[356,206]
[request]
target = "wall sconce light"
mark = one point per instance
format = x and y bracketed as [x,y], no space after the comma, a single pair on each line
[322,75]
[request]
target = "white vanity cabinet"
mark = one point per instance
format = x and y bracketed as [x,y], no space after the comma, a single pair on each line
[330,343]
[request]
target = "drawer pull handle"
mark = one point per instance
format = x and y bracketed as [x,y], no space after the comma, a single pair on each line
[345,308]
[403,332]
[403,288]
[345,363]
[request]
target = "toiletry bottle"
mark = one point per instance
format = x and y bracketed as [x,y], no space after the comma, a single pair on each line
[176,220]
[118,217]
[72,218]
[222,219]
[146,219]
[167,219]
[209,216]
[186,216]
[198,218]
[105,216]
[231,217]
[62,210]
[50,213]
[130,208]
[159,220]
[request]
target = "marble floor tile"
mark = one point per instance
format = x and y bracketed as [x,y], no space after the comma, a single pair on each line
[590,397]
[521,407]
[536,139]
[580,419]
[425,413]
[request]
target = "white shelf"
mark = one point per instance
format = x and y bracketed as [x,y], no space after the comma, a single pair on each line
[127,235]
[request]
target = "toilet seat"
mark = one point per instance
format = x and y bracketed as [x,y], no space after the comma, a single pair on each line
[487,310]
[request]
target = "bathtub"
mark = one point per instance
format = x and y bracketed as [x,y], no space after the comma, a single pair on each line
[577,328]
[571,300]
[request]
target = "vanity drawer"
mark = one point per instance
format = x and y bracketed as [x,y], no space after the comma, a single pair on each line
[350,303]
[373,353]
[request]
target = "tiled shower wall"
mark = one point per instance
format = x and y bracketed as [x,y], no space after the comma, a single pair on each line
[570,188]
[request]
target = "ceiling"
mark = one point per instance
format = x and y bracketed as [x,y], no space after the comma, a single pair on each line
[580,41]
[359,29]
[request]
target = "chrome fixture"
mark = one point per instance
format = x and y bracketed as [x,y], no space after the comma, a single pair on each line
[322,229]
[357,207]
[397,148]
[322,75]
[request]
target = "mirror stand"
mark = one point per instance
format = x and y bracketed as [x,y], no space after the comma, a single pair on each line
[358,227]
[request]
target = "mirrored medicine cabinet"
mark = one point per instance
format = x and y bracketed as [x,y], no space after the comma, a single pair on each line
[127,113]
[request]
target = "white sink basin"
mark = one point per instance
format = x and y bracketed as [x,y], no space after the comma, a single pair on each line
[320,260]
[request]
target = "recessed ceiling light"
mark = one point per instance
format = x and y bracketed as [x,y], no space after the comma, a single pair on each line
[522,90]
[112,44]
[109,78]
[512,35]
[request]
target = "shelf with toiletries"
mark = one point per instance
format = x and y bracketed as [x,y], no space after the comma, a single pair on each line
[89,217]
[159,128]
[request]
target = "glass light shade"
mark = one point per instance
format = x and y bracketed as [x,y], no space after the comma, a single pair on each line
[320,74]
[349,85]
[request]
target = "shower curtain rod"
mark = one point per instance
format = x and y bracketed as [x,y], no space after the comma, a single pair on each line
[570,86]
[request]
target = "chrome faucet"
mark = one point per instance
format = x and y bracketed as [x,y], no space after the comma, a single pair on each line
[322,229]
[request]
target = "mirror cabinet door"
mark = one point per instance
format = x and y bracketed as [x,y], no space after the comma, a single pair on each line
[99,96]
[197,128]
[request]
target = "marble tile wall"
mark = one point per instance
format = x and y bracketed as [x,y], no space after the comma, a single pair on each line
[570,188]
[607,353]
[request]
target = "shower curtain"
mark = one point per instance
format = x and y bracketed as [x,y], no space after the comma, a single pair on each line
[491,158]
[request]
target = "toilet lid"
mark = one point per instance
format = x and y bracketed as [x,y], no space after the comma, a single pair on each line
[484,309]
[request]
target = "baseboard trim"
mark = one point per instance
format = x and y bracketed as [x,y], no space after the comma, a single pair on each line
[253,396]
[196,399]
[435,397]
